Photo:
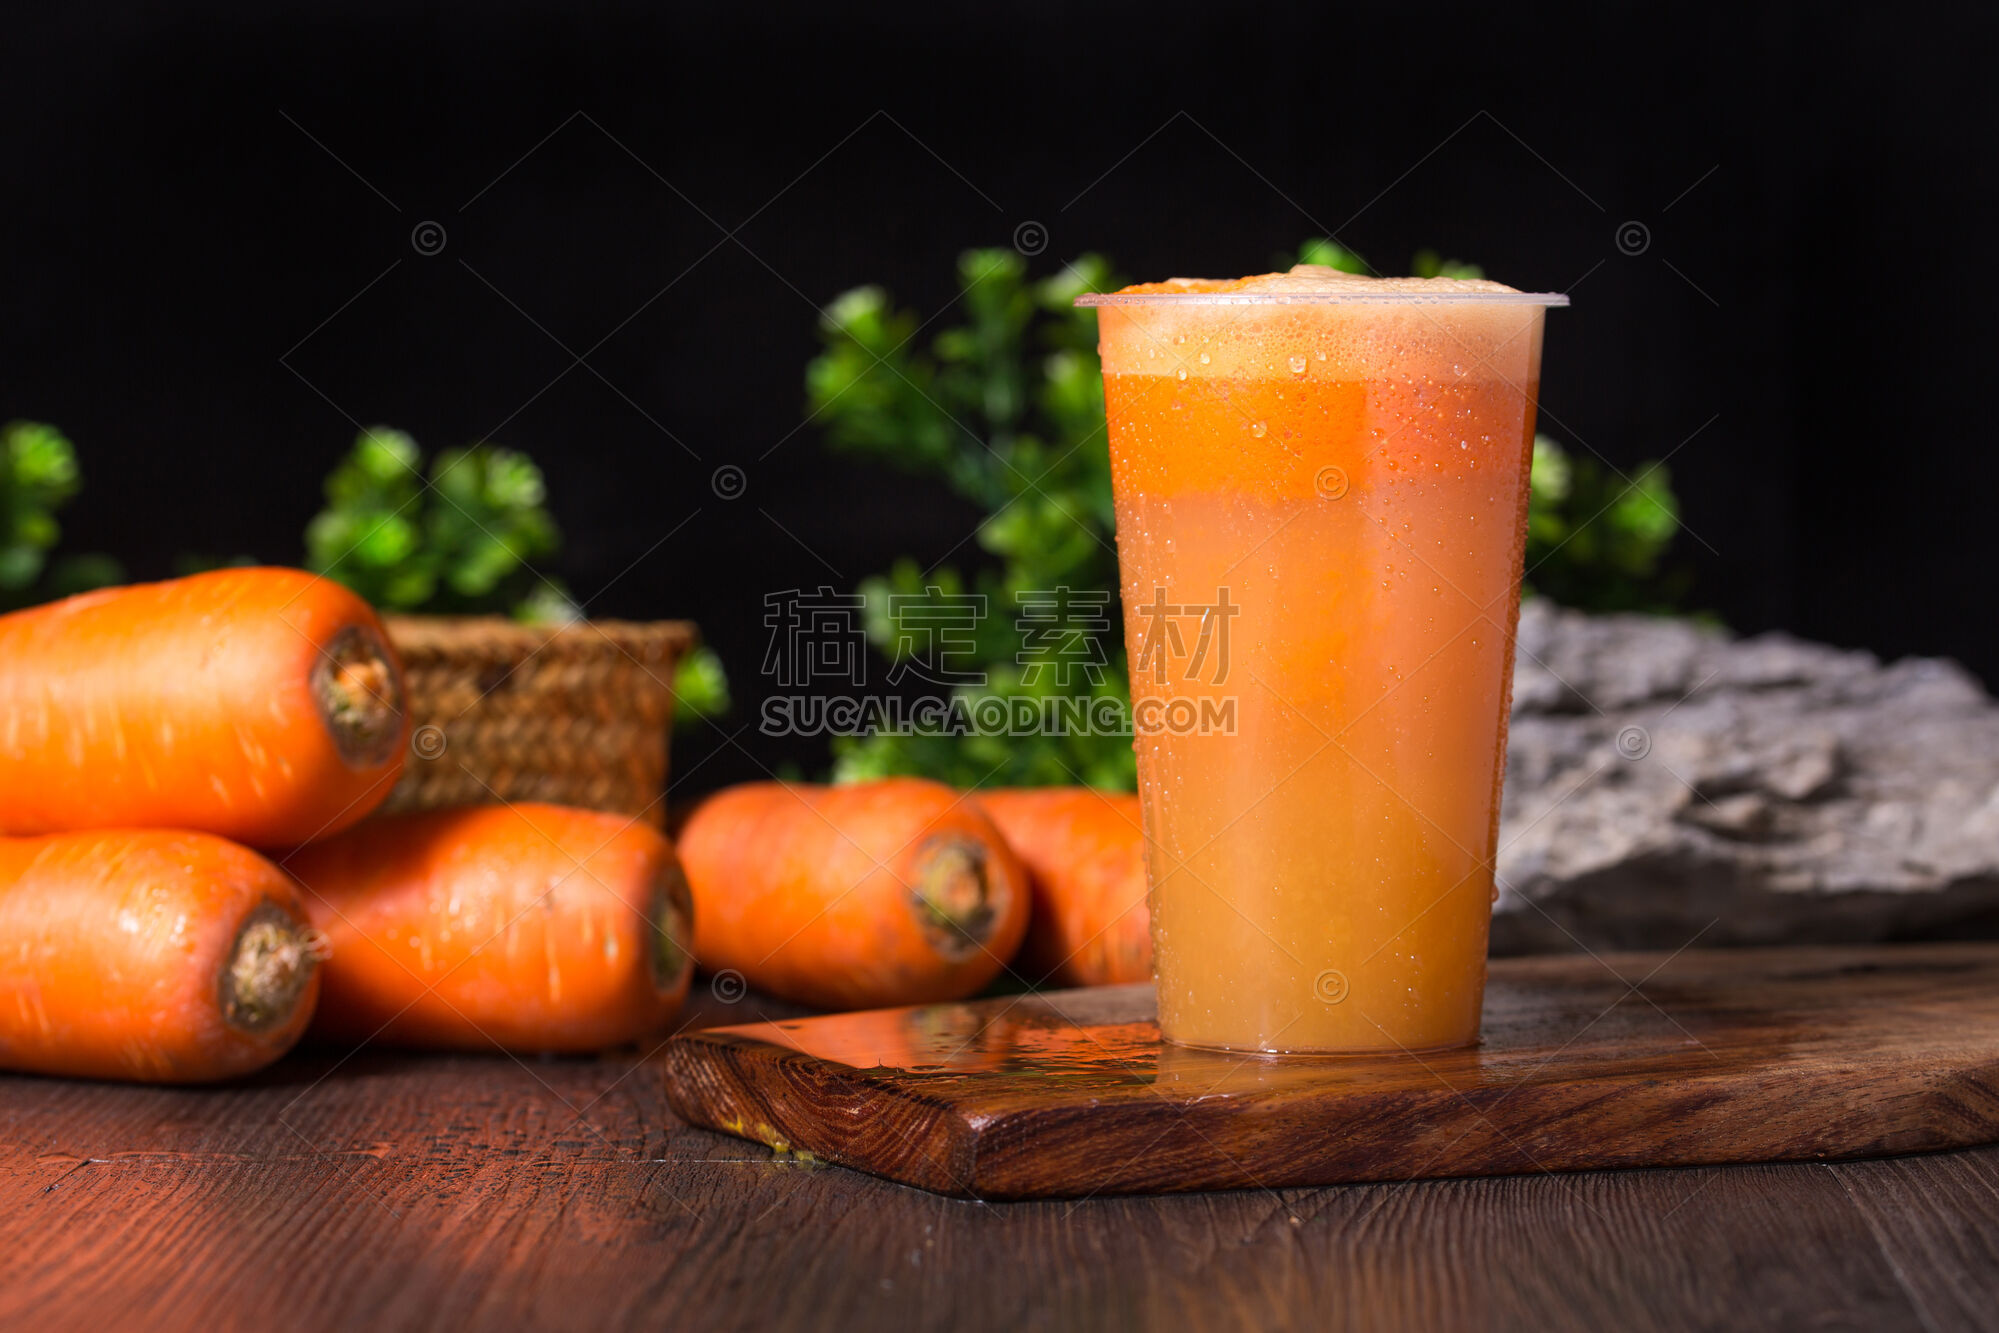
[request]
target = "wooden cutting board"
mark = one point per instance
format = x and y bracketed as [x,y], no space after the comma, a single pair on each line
[1621,1061]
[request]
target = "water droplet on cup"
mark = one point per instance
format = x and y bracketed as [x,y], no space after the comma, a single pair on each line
[1297,365]
[1257,428]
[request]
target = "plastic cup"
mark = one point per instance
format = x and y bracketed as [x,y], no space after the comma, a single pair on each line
[1321,516]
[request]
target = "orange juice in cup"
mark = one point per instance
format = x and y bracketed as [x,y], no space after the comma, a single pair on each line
[1321,487]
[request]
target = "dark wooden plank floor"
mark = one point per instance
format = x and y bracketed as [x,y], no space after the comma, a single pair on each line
[393,1191]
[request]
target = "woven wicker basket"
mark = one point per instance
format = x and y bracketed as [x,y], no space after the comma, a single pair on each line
[573,714]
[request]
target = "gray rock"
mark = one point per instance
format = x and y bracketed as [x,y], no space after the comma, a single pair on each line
[1667,782]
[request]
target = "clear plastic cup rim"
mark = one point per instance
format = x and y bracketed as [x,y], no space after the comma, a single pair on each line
[1544,299]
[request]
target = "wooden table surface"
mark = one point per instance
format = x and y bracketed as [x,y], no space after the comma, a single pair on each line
[397,1191]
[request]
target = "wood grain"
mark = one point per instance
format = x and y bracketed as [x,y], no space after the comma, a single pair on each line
[391,1191]
[1586,1063]
[1936,1220]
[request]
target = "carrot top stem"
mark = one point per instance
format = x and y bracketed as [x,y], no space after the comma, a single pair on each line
[359,693]
[269,966]
[952,895]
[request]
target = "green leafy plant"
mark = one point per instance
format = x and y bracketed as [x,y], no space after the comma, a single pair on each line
[1327,254]
[464,543]
[1430,264]
[700,688]
[1598,541]
[38,476]
[1006,409]
[1426,264]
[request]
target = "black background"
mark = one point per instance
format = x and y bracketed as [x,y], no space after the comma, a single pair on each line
[205,251]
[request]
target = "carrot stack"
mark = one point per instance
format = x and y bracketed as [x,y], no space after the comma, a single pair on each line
[148,731]
[153,734]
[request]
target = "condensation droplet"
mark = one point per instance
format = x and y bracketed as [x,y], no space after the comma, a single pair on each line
[1297,365]
[1204,358]
[1183,372]
[1257,428]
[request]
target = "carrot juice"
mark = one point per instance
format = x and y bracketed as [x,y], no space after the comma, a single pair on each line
[1321,487]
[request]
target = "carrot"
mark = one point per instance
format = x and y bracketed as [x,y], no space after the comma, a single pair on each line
[149,954]
[528,927]
[880,893]
[1085,858]
[263,705]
